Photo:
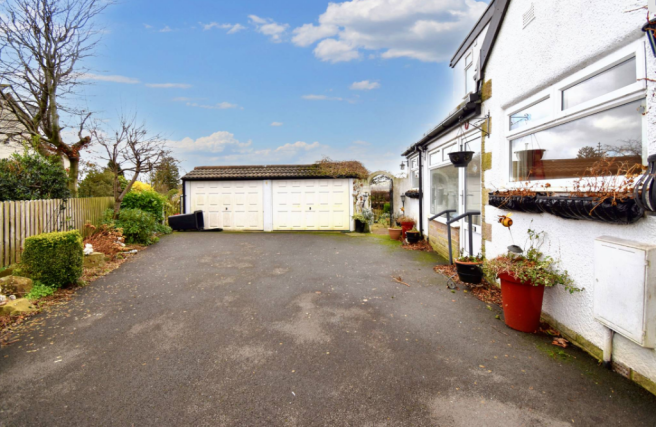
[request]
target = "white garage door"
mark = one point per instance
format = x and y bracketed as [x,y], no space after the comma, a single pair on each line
[231,205]
[311,204]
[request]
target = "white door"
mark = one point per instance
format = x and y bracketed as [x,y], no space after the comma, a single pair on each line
[311,204]
[231,205]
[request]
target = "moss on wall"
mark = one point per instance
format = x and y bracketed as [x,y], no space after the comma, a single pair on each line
[486,90]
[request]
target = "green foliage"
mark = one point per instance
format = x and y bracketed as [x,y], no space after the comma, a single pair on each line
[147,201]
[368,215]
[387,208]
[534,267]
[359,218]
[477,258]
[167,175]
[100,184]
[30,176]
[39,290]
[138,226]
[54,259]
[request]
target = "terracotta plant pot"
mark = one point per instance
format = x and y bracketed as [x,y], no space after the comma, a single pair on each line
[406,226]
[412,236]
[394,233]
[522,303]
[470,272]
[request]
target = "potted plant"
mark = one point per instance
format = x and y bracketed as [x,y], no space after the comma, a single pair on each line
[394,232]
[406,224]
[360,223]
[461,159]
[523,279]
[413,235]
[413,193]
[470,269]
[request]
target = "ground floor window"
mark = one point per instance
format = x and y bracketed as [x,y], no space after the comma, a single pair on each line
[444,189]
[569,150]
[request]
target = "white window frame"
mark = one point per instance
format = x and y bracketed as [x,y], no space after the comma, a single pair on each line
[558,116]
[469,56]
[414,167]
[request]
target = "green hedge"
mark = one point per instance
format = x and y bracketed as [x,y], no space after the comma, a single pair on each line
[54,259]
[138,226]
[147,201]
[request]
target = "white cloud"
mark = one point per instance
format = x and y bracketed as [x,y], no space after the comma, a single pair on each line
[298,145]
[110,78]
[219,106]
[362,143]
[215,143]
[276,124]
[332,50]
[321,98]
[427,30]
[232,28]
[182,99]
[169,85]
[148,27]
[308,34]
[365,85]
[269,27]
[166,29]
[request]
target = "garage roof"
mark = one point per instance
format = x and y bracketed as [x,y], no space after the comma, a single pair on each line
[258,172]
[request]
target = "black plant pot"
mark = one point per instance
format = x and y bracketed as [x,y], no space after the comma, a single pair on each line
[413,194]
[588,208]
[412,236]
[461,159]
[359,226]
[469,272]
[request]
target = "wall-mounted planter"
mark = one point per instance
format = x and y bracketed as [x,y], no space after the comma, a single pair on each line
[413,194]
[623,212]
[583,208]
[526,204]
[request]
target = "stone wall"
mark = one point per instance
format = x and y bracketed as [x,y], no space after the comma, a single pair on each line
[439,240]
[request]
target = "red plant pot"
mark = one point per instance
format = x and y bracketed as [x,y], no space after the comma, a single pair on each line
[406,226]
[522,303]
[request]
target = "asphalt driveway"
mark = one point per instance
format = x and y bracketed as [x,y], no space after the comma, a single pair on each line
[235,329]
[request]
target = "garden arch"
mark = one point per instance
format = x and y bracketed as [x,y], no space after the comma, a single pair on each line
[380,176]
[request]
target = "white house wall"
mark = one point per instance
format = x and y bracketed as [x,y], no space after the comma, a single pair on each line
[565,37]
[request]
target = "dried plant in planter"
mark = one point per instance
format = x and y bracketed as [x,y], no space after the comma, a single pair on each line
[608,181]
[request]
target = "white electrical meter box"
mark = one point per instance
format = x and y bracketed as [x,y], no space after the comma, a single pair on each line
[625,288]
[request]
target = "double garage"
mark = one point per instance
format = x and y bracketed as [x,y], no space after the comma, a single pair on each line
[269,198]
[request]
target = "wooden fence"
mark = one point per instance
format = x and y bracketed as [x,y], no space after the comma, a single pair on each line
[22,219]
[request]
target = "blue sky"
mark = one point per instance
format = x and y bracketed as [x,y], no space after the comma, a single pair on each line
[290,81]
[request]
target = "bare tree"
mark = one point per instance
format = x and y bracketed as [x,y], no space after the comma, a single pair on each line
[130,150]
[42,43]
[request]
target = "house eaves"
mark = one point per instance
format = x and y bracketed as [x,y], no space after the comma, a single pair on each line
[474,33]
[470,108]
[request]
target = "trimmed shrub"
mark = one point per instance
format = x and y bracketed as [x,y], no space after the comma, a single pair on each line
[386,208]
[147,201]
[137,226]
[54,259]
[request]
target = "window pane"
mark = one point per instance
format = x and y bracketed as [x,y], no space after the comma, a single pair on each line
[435,158]
[444,189]
[415,179]
[473,180]
[469,79]
[531,114]
[568,150]
[615,78]
[447,150]
[414,164]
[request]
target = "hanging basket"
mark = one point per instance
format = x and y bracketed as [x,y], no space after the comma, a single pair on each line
[461,159]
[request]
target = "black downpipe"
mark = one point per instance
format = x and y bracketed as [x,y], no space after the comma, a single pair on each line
[421,196]
[183,199]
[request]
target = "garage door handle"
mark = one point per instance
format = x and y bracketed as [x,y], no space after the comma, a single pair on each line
[226,208]
[310,207]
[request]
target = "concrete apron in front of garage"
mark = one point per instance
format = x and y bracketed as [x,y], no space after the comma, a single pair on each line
[306,329]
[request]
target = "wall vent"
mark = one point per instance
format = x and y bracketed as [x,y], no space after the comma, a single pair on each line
[529,15]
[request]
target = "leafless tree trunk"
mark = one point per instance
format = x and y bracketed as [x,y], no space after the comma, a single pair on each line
[41,45]
[131,149]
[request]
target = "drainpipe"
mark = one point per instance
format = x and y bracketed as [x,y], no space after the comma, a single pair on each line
[608,349]
[421,195]
[183,199]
